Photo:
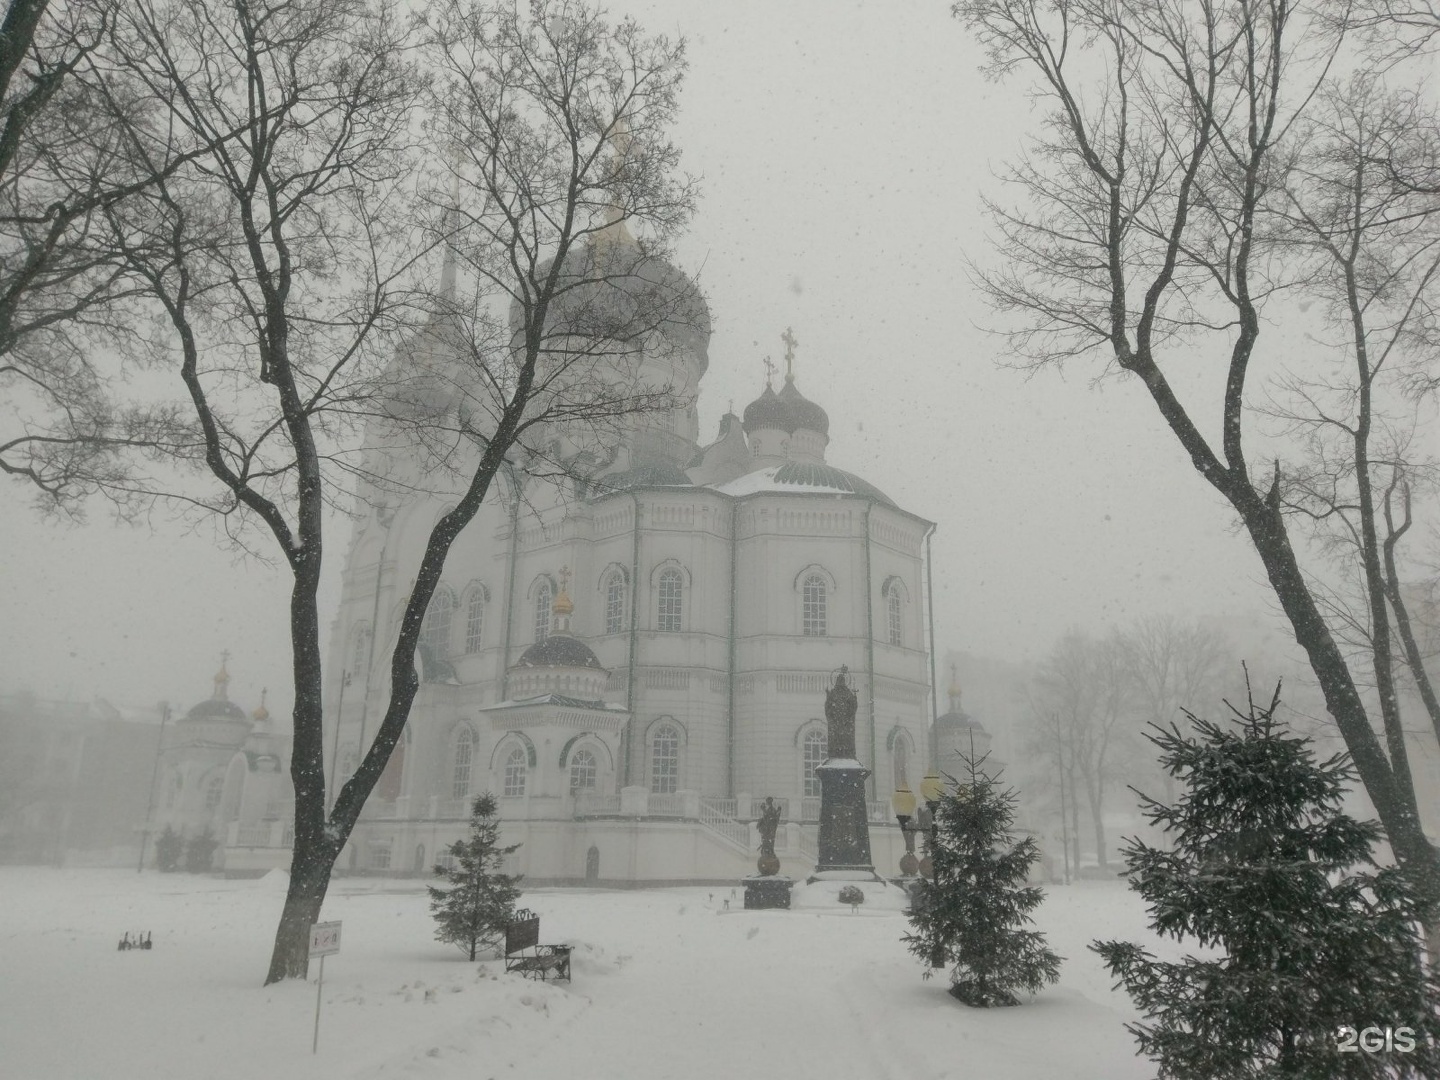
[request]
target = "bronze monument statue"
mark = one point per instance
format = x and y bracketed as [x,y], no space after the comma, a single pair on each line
[844,819]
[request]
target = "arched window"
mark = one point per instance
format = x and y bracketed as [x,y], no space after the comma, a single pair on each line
[812,756]
[464,754]
[514,774]
[672,589]
[435,630]
[665,760]
[474,620]
[615,603]
[583,771]
[544,601]
[360,654]
[214,788]
[812,615]
[892,609]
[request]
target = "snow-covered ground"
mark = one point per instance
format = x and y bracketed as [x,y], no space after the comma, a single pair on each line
[667,986]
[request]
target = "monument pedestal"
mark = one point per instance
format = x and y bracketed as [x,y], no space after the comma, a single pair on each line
[771,891]
[844,823]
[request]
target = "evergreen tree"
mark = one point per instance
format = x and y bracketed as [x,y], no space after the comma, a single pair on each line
[481,900]
[1262,872]
[168,849]
[974,910]
[200,852]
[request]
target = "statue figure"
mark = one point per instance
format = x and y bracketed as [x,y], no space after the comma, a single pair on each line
[767,825]
[840,706]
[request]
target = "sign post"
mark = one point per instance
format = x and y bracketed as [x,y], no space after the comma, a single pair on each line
[324,940]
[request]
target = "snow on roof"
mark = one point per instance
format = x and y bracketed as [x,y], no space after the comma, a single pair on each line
[802,478]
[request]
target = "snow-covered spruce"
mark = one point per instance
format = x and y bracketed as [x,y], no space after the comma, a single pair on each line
[474,911]
[1262,870]
[974,912]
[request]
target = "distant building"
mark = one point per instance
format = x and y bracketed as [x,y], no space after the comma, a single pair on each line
[72,780]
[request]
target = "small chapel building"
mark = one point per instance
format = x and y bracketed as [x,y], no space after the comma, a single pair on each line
[632,663]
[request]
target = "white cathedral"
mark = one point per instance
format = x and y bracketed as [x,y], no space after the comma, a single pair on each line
[633,663]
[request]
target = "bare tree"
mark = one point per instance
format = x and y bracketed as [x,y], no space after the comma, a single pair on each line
[1144,235]
[1172,666]
[69,122]
[1370,238]
[287,257]
[1081,710]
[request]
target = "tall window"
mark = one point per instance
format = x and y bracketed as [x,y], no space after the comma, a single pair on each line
[172,794]
[460,775]
[812,756]
[435,630]
[544,601]
[892,608]
[360,655]
[214,788]
[474,619]
[514,774]
[583,771]
[615,603]
[665,760]
[672,587]
[902,762]
[812,616]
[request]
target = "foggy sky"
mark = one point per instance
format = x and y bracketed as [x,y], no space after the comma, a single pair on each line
[843,149]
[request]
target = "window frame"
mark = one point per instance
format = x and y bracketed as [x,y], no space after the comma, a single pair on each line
[544,615]
[589,767]
[670,601]
[616,598]
[513,776]
[810,785]
[814,606]
[664,770]
[439,623]
[462,755]
[475,620]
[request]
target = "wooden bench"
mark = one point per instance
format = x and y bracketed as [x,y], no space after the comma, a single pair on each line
[525,954]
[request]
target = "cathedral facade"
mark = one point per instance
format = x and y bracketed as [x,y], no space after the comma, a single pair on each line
[633,662]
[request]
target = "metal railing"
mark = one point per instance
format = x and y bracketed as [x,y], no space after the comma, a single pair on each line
[252,836]
[665,805]
[714,818]
[810,845]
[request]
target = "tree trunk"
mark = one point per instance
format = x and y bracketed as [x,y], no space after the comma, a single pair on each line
[1096,799]
[310,869]
[1395,806]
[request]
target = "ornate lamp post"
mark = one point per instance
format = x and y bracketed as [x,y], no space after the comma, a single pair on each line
[903,803]
[931,788]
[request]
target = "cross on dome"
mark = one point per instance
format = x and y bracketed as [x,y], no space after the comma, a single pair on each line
[790,340]
[222,677]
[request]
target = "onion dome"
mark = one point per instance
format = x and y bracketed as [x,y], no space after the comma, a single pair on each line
[787,411]
[261,715]
[218,706]
[800,411]
[560,648]
[957,717]
[618,290]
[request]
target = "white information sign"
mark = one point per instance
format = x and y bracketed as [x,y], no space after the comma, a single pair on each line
[324,938]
